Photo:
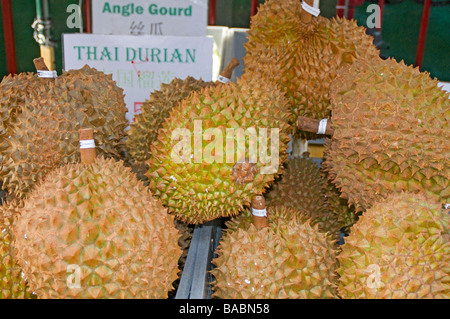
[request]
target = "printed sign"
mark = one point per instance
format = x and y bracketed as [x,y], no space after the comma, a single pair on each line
[140,64]
[151,17]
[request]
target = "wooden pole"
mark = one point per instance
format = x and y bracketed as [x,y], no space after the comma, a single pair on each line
[259,203]
[87,146]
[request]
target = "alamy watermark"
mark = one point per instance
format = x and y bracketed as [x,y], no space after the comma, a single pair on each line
[373,271]
[373,280]
[374,19]
[222,149]
[73,280]
[74,20]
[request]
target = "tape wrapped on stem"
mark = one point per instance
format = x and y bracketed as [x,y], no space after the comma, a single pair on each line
[223,79]
[85,144]
[313,10]
[259,212]
[45,74]
[322,126]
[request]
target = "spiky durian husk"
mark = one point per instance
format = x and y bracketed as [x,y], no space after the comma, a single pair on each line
[44,134]
[185,232]
[397,249]
[99,218]
[200,190]
[155,110]
[345,213]
[303,187]
[288,259]
[308,54]
[13,90]
[391,133]
[244,219]
[13,285]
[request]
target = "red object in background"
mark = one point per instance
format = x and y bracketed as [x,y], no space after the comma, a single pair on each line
[253,8]
[423,32]
[340,8]
[87,16]
[8,31]
[212,12]
[381,4]
[351,9]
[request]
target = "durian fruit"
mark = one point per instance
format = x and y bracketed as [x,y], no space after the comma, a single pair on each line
[46,119]
[391,133]
[244,219]
[92,230]
[155,110]
[346,215]
[199,168]
[185,233]
[13,285]
[309,54]
[398,249]
[288,259]
[13,90]
[302,187]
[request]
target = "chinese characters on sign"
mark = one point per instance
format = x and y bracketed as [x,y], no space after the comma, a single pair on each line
[150,17]
[139,65]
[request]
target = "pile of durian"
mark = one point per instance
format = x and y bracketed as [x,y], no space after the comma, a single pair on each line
[117,224]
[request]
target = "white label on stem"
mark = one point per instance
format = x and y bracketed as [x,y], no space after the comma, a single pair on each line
[322,126]
[84,144]
[314,11]
[259,212]
[223,79]
[47,74]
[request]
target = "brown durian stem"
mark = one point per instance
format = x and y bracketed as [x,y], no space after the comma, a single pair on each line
[243,173]
[228,70]
[88,155]
[258,202]
[305,16]
[307,124]
[40,65]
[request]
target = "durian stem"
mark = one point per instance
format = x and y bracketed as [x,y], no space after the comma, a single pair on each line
[40,65]
[228,70]
[88,155]
[305,16]
[307,124]
[259,203]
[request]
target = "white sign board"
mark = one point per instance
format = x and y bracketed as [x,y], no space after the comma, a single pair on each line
[151,17]
[140,64]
